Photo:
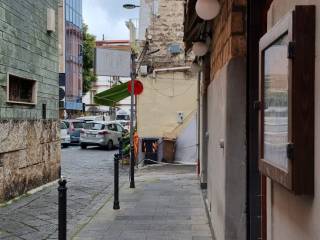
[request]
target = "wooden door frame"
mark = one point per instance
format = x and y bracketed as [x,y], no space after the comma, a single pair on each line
[257,12]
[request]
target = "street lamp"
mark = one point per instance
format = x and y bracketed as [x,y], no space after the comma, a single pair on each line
[132,160]
[133,77]
[130,6]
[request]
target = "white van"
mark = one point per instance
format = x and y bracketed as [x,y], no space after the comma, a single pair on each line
[91,118]
[122,115]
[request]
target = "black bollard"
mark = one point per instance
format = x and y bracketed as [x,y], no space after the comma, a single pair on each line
[120,148]
[132,165]
[62,209]
[116,204]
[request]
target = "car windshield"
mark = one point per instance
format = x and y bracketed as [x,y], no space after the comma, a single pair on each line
[63,126]
[97,126]
[123,117]
[124,124]
[88,125]
[78,124]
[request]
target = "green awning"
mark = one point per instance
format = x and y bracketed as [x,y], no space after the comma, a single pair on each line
[113,95]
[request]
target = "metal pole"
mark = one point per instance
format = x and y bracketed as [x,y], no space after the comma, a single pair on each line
[198,123]
[62,210]
[120,150]
[132,162]
[116,204]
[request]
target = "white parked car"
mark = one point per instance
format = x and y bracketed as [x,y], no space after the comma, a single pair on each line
[91,118]
[99,133]
[124,123]
[64,135]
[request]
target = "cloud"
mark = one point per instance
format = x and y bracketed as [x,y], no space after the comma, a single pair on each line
[108,17]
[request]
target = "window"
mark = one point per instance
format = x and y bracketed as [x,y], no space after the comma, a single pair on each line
[112,127]
[122,117]
[98,126]
[21,90]
[276,100]
[287,101]
[155,8]
[88,125]
[66,123]
[63,125]
[78,125]
[119,128]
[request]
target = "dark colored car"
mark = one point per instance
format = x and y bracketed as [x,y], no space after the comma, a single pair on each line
[74,129]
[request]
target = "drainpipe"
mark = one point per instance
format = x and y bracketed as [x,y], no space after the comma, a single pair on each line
[173,69]
[198,121]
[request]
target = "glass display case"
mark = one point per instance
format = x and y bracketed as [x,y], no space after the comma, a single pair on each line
[287,69]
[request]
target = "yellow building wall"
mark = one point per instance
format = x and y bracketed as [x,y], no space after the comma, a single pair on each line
[162,97]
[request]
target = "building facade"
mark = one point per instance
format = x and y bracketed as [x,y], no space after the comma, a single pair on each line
[168,104]
[71,80]
[106,79]
[29,126]
[262,180]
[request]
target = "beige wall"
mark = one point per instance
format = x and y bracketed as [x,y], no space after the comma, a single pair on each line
[289,216]
[227,151]
[162,98]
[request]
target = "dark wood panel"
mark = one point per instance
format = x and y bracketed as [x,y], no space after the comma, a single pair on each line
[303,78]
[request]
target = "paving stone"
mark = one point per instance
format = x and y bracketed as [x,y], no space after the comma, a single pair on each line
[161,210]
[90,183]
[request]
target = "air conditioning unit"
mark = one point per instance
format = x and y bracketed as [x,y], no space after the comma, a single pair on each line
[174,48]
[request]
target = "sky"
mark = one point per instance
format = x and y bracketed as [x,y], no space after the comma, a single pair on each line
[108,17]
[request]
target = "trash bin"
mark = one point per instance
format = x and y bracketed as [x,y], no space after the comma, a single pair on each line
[150,148]
[169,150]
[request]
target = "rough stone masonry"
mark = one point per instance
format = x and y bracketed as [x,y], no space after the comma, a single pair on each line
[29,133]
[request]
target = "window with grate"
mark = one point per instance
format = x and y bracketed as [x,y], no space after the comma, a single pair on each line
[21,90]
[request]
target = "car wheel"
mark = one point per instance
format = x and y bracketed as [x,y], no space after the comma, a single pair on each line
[110,145]
[65,145]
[83,146]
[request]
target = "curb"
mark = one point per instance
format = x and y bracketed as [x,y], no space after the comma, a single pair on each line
[30,192]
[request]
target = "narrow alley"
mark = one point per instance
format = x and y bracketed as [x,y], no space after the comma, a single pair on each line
[159,119]
[167,204]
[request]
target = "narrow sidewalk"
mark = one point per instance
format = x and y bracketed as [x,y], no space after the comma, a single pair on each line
[167,204]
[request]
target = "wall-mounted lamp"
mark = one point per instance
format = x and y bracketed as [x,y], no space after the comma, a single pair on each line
[51,20]
[207,9]
[200,49]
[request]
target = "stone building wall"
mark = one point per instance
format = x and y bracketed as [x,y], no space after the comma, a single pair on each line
[166,28]
[29,144]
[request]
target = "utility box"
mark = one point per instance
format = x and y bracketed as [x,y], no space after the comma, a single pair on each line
[169,150]
[180,117]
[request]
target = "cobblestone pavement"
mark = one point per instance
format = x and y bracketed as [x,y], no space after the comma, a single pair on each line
[90,183]
[165,205]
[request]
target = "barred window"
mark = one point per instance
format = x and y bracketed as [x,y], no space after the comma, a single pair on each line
[21,90]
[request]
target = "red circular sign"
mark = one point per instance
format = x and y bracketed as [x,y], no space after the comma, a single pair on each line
[138,87]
